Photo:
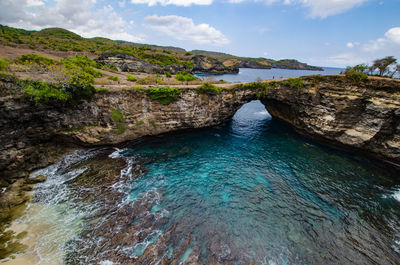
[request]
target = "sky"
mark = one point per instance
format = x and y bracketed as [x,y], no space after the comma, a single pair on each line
[335,33]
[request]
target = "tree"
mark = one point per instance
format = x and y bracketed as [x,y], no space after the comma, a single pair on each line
[382,65]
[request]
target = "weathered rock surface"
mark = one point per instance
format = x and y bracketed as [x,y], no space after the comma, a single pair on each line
[210,65]
[363,117]
[128,63]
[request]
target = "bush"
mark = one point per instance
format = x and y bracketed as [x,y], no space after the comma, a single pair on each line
[185,77]
[43,92]
[109,67]
[113,78]
[26,59]
[208,88]
[294,83]
[119,120]
[356,76]
[164,95]
[131,78]
[4,64]
[82,63]
[149,80]
[167,74]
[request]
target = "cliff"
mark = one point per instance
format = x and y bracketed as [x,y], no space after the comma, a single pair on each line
[364,117]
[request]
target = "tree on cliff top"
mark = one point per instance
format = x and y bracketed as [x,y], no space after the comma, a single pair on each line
[382,65]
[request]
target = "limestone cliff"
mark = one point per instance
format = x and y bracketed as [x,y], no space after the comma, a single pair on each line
[359,116]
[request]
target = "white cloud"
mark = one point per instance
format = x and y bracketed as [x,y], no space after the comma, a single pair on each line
[183,28]
[79,16]
[393,34]
[366,52]
[173,2]
[352,44]
[318,8]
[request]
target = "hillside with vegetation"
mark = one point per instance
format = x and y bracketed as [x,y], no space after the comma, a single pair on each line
[152,58]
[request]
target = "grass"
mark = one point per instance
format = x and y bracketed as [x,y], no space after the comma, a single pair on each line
[149,80]
[4,64]
[113,78]
[208,88]
[185,77]
[164,95]
[355,76]
[131,78]
[138,123]
[294,83]
[119,120]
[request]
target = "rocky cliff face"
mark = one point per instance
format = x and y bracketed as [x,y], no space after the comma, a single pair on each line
[363,117]
[128,63]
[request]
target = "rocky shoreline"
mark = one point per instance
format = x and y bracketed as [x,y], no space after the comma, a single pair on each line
[362,117]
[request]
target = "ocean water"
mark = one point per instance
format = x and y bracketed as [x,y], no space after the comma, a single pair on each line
[252,75]
[248,191]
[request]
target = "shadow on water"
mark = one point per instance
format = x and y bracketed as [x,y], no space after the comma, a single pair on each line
[248,191]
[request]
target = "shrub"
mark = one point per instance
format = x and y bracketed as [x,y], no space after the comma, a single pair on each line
[113,78]
[208,88]
[103,90]
[119,120]
[137,87]
[148,80]
[26,59]
[109,67]
[3,64]
[82,63]
[185,77]
[131,78]
[164,95]
[43,92]
[294,83]
[188,53]
[167,74]
[356,76]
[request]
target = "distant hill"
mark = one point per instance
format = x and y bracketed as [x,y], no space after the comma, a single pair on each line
[62,40]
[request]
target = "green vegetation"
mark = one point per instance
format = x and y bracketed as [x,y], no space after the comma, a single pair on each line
[294,83]
[138,123]
[27,59]
[103,90]
[164,95]
[119,120]
[208,88]
[261,88]
[113,78]
[153,123]
[4,64]
[149,80]
[41,91]
[137,87]
[167,74]
[131,78]
[58,39]
[185,77]
[109,67]
[355,76]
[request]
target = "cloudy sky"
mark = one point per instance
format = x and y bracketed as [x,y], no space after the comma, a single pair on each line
[319,32]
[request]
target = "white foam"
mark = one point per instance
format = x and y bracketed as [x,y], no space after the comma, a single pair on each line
[106,262]
[396,195]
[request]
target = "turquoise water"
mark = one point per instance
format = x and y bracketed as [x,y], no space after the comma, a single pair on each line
[252,75]
[255,192]
[249,191]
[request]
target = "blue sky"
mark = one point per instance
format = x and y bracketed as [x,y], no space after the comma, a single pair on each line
[319,32]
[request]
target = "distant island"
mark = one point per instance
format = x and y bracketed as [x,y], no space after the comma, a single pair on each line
[136,57]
